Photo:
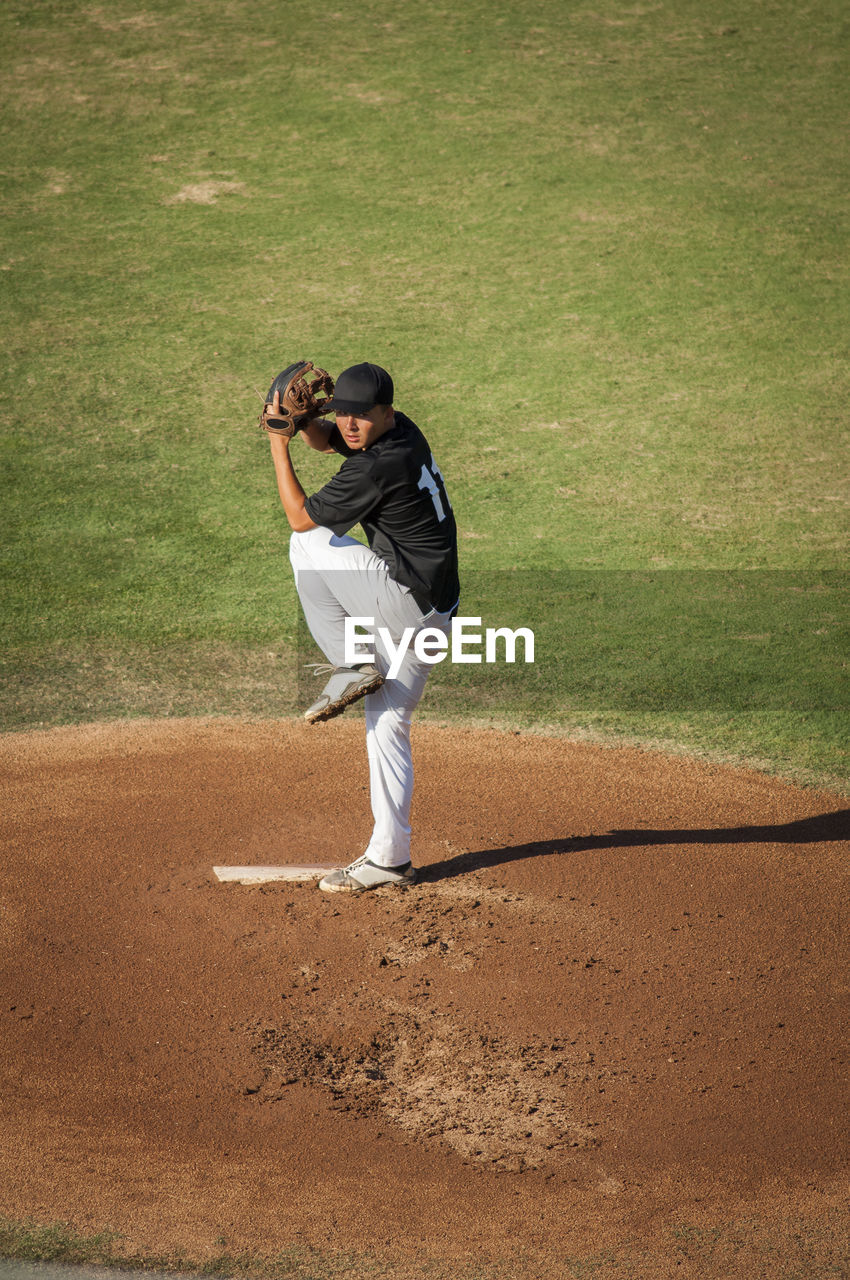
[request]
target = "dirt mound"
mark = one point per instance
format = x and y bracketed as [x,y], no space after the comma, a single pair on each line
[605,1030]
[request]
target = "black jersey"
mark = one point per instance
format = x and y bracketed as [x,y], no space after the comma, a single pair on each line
[395,490]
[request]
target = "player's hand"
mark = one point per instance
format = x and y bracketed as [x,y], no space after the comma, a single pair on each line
[274,422]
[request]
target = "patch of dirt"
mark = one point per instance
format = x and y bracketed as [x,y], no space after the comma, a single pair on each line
[503,1105]
[206,192]
[605,1033]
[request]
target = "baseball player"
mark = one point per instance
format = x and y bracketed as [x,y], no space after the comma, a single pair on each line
[405,580]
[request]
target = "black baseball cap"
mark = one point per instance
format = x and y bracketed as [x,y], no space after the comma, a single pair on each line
[359,389]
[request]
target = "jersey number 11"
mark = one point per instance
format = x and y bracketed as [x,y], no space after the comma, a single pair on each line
[428,480]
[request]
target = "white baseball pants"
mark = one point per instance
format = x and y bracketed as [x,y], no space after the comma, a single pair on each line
[338,577]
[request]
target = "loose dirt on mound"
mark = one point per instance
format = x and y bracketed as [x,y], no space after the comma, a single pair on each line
[604,1034]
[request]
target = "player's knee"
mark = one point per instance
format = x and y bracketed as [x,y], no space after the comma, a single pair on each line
[392,728]
[300,544]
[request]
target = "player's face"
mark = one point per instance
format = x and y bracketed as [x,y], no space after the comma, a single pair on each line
[360,430]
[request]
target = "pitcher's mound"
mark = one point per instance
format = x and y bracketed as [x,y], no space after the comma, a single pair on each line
[606,1028]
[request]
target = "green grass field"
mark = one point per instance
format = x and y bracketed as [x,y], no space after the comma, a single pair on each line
[604,253]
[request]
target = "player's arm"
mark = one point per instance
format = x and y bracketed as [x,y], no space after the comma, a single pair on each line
[317,434]
[289,487]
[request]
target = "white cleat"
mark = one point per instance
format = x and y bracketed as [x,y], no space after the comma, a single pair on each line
[362,874]
[346,685]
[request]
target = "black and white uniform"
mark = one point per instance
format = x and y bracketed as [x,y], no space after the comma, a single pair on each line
[406,577]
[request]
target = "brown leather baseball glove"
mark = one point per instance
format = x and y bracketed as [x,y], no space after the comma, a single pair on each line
[302,392]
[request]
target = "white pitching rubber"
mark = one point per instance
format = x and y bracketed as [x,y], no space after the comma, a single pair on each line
[262,875]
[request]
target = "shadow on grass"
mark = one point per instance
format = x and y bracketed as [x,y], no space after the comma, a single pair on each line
[821,828]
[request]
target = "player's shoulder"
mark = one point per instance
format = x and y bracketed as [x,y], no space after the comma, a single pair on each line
[403,439]
[406,427]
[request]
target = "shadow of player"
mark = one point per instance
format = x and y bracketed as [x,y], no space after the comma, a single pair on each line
[822,828]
